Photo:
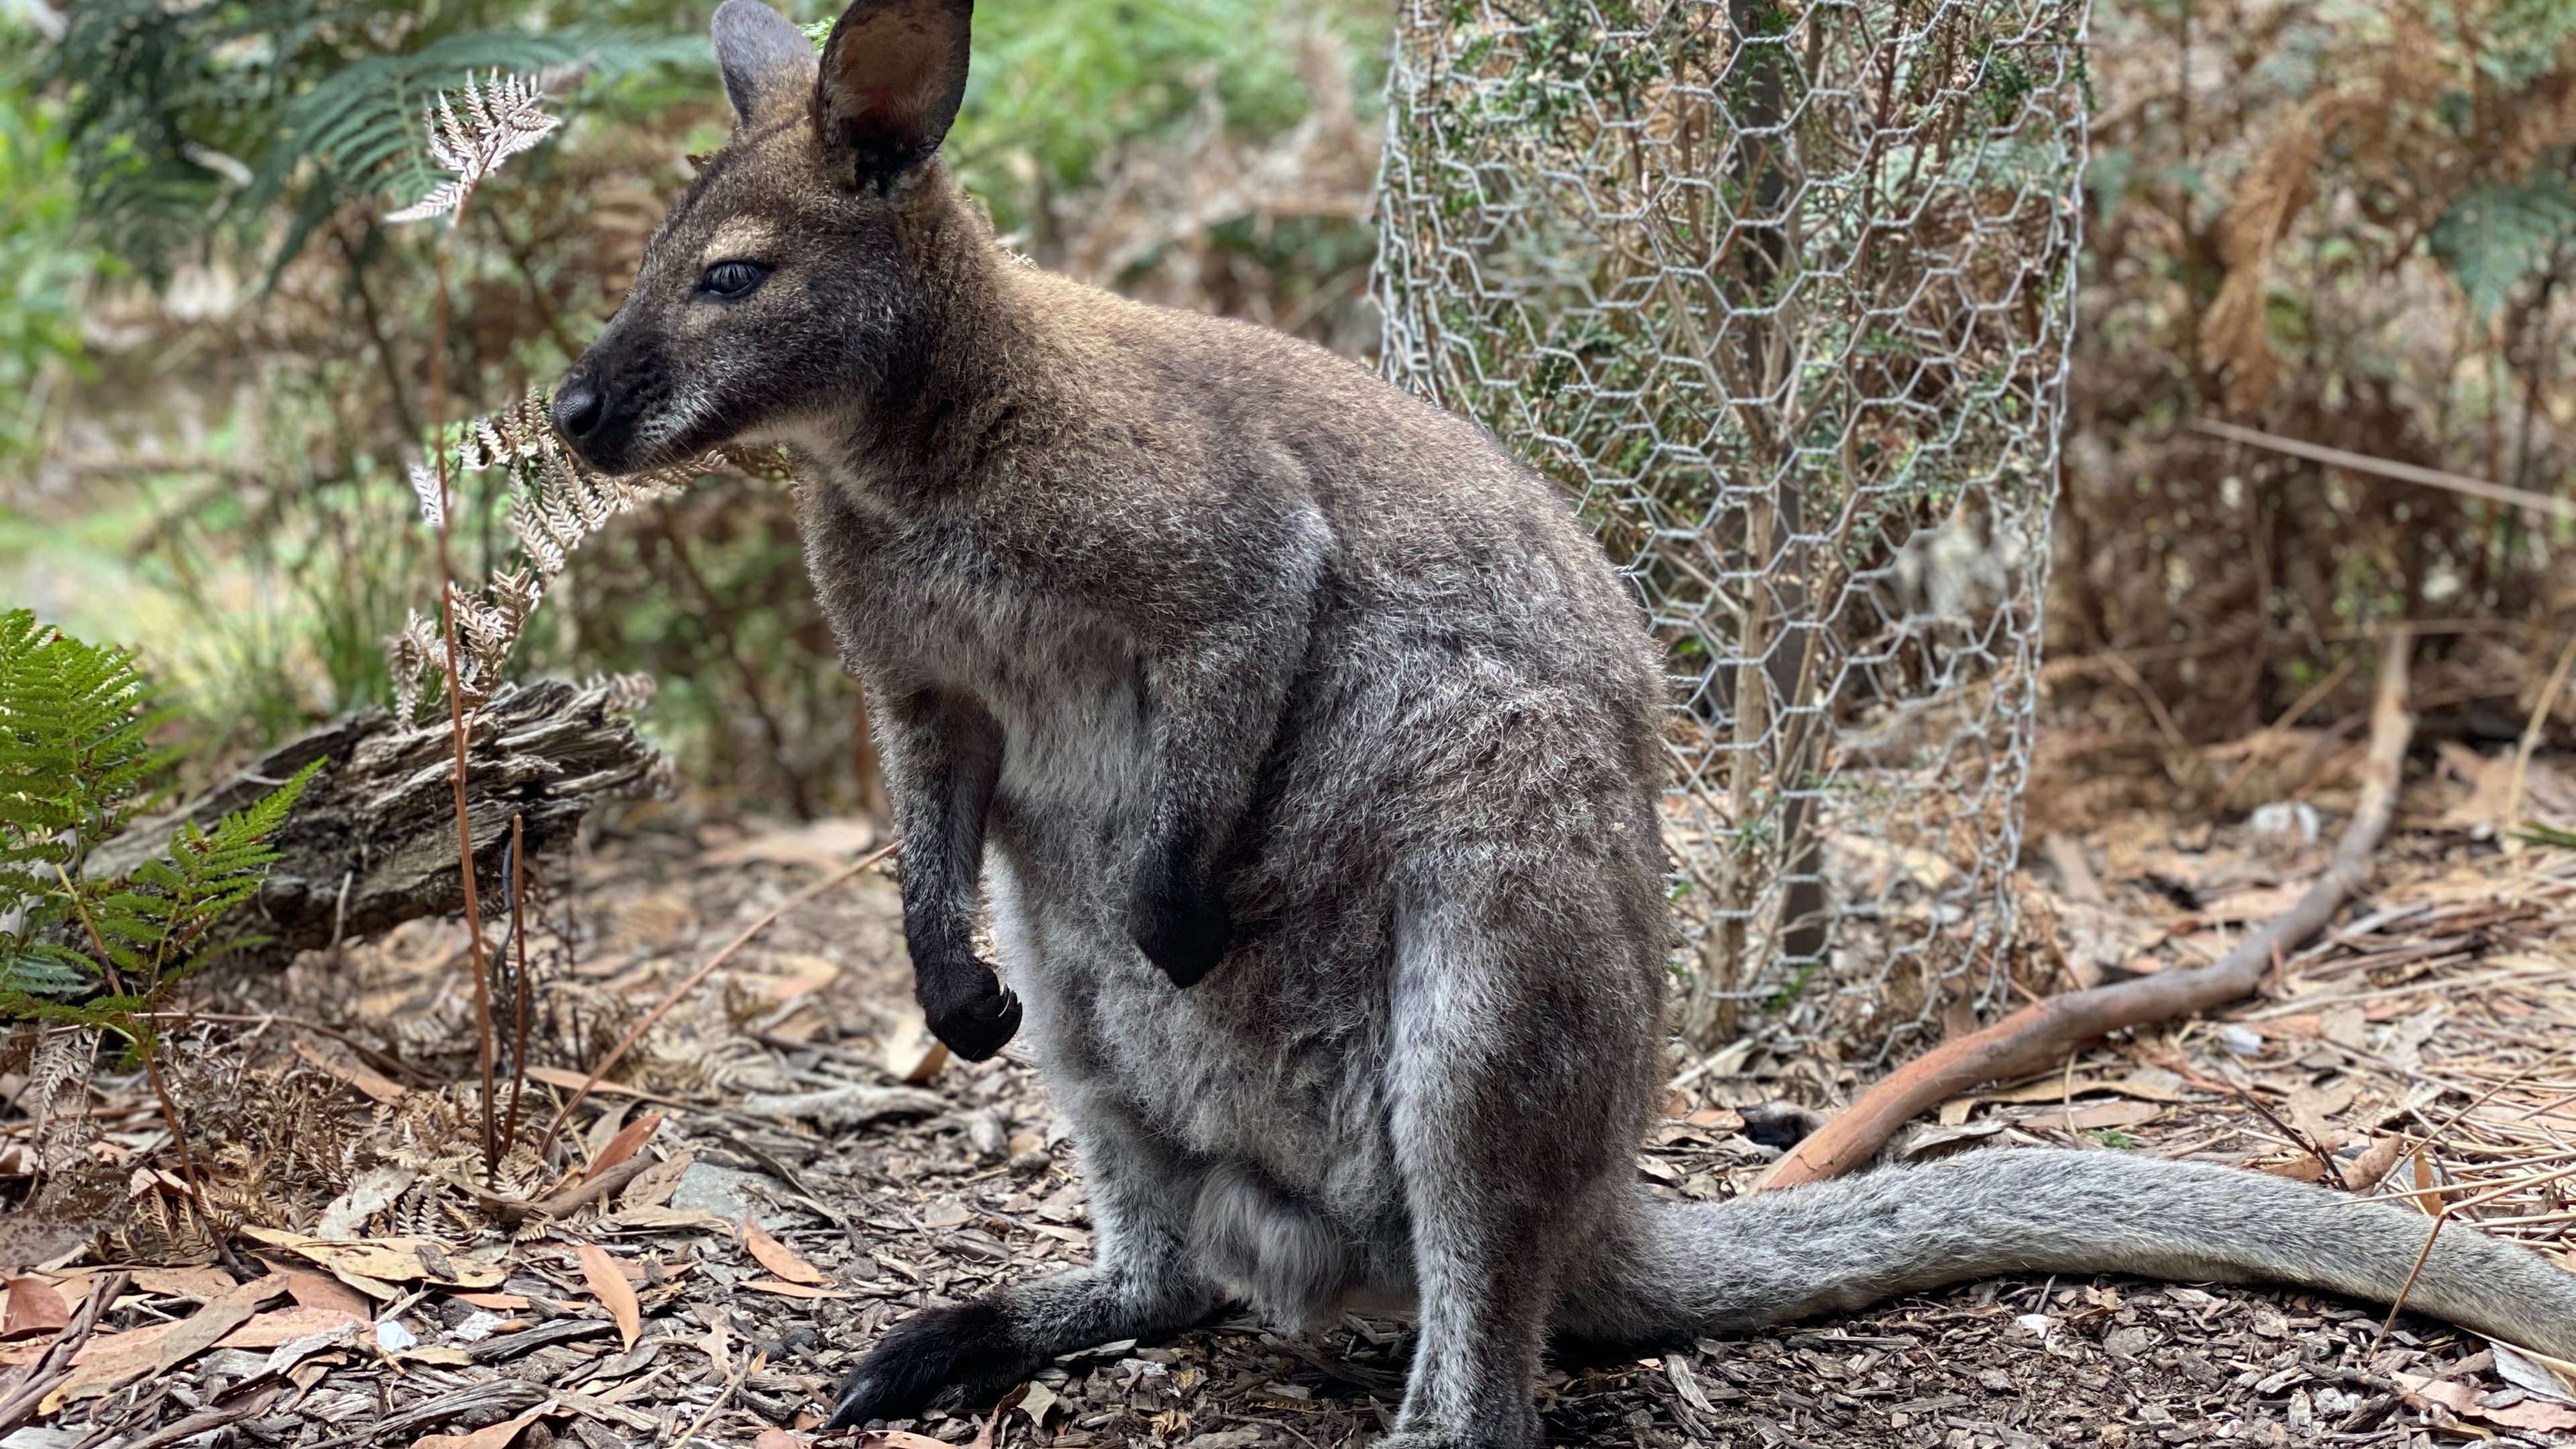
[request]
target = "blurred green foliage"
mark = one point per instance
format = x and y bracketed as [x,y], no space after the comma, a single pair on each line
[44,257]
[204,185]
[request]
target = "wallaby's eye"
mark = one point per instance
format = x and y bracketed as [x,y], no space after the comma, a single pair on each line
[733,279]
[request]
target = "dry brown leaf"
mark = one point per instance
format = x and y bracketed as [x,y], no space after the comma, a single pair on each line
[2366,1171]
[174,1345]
[774,1256]
[2465,1402]
[497,1302]
[2535,1372]
[899,1439]
[385,1260]
[2427,1194]
[789,1290]
[285,1325]
[2302,1168]
[574,1081]
[776,1439]
[606,1276]
[827,844]
[629,1140]
[665,1219]
[312,1290]
[33,1307]
[2092,1119]
[202,1284]
[496,1436]
[375,1084]
[653,1186]
[912,1054]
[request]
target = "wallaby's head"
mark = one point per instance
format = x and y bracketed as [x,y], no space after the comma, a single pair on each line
[790,276]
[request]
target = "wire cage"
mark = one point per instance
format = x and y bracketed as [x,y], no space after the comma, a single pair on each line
[1781,294]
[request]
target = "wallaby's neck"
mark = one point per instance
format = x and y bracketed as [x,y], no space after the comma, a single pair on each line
[960,379]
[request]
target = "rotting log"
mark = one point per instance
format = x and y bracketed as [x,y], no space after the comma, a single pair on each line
[2042,1033]
[373,841]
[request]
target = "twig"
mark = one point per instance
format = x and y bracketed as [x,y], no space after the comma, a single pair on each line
[213,1416]
[2531,735]
[20,1396]
[672,997]
[514,1211]
[518,948]
[2294,1136]
[438,327]
[2032,1038]
[2399,1306]
[2385,468]
[722,1397]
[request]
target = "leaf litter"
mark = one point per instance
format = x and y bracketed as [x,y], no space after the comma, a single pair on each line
[795,1193]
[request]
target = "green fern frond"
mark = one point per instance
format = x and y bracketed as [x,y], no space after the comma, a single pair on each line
[159,922]
[2496,236]
[74,746]
[75,751]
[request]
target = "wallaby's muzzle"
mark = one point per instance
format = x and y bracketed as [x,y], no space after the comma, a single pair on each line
[612,407]
[579,410]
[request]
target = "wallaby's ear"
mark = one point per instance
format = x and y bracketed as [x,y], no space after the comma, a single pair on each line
[768,63]
[893,73]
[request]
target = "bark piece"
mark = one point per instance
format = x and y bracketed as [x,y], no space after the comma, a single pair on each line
[373,842]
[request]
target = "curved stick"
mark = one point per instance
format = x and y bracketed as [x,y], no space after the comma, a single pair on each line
[2037,1035]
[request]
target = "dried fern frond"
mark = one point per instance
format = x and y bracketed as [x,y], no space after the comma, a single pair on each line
[410,655]
[494,122]
[432,495]
[555,503]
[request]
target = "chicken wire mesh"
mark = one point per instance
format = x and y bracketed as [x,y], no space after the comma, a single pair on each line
[1781,294]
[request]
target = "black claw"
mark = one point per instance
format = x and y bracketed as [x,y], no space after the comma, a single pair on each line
[970,1009]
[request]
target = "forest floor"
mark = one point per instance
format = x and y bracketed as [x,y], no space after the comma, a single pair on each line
[796,1195]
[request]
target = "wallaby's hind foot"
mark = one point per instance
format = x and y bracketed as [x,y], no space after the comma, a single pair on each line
[949,1357]
[966,1355]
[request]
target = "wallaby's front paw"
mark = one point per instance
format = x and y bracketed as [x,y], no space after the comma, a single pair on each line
[961,1356]
[968,1007]
[1180,925]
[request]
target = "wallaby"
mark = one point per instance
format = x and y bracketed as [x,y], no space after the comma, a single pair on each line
[1306,750]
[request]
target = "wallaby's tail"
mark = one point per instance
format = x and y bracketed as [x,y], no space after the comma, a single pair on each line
[1667,1270]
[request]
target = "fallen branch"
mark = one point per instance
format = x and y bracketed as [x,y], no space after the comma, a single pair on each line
[2038,1035]
[372,843]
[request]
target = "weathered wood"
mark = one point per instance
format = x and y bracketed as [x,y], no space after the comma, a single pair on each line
[373,842]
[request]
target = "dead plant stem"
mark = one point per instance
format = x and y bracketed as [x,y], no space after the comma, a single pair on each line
[2531,736]
[438,328]
[689,983]
[2399,1305]
[519,975]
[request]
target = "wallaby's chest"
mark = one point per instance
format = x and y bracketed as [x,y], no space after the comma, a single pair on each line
[931,598]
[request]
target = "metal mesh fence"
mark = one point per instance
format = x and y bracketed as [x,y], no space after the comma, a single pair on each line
[1781,294]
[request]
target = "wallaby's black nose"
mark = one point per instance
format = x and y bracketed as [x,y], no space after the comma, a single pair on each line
[578,410]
